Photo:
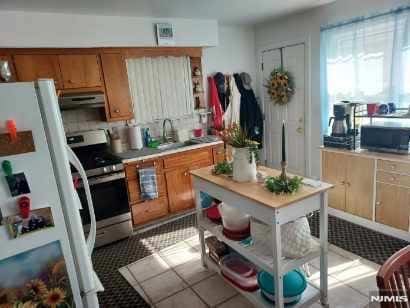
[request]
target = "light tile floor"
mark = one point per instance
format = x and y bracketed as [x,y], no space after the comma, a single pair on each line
[174,277]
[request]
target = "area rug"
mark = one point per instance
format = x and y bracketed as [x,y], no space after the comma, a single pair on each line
[361,241]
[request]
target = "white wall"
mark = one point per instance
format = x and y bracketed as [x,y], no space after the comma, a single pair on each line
[33,29]
[306,26]
[235,52]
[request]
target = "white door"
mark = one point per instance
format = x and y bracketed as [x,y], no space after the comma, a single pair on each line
[293,113]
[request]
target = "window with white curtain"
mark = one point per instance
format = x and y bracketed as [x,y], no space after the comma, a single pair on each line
[366,60]
[160,87]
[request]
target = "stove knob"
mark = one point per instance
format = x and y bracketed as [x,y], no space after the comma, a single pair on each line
[113,168]
[105,169]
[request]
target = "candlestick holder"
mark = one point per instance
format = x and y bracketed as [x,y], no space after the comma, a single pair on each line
[283,174]
[282,184]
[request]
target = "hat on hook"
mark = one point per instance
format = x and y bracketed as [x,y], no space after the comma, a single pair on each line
[246,80]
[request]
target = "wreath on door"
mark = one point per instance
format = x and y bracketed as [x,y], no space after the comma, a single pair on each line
[280,86]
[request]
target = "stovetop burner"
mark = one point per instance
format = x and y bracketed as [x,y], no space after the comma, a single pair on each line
[96,157]
[93,152]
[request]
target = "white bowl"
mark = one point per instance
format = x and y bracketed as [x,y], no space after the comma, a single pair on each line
[232,218]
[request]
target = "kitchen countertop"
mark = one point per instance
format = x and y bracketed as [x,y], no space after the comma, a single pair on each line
[148,153]
[257,191]
[371,154]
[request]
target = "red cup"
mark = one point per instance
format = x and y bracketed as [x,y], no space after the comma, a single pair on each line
[198,132]
[372,109]
[24,206]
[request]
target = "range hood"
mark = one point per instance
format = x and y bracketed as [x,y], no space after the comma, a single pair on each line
[82,100]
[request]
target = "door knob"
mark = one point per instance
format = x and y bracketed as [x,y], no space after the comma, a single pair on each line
[299,130]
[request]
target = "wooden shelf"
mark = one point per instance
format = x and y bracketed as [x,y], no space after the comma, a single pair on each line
[309,296]
[260,256]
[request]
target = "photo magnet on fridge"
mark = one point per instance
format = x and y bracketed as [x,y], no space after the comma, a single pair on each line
[18,184]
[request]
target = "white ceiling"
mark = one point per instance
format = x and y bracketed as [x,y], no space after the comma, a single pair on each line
[225,11]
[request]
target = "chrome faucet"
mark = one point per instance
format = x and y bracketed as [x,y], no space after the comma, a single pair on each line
[165,136]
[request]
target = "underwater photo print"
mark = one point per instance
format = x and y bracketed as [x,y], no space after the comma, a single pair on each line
[36,278]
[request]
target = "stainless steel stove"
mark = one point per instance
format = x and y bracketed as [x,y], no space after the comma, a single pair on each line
[106,177]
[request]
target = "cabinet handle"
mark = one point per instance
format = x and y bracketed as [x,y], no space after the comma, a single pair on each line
[343,182]
[378,203]
[185,173]
[347,183]
[392,167]
[117,111]
[155,163]
[392,178]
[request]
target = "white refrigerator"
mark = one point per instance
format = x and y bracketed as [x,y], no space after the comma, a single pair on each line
[34,108]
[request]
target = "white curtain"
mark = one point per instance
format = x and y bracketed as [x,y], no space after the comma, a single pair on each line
[160,87]
[367,60]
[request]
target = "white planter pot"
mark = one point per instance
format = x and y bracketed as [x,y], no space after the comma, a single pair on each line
[243,170]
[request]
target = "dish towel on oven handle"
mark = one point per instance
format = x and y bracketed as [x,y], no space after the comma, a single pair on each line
[148,183]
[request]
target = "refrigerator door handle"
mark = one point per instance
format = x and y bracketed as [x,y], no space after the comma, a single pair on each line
[93,224]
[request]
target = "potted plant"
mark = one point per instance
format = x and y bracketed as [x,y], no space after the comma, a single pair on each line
[245,153]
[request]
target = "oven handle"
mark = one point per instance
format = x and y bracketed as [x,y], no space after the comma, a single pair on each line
[93,223]
[103,179]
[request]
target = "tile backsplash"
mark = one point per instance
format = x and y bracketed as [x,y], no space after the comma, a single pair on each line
[92,119]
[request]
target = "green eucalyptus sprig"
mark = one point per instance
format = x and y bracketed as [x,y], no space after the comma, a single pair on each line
[279,185]
[223,168]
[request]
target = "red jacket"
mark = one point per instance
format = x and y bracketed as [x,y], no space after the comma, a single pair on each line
[215,104]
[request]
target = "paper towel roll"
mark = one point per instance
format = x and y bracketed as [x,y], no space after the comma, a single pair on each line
[135,137]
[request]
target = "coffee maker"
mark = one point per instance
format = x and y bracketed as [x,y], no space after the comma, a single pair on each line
[341,121]
[343,131]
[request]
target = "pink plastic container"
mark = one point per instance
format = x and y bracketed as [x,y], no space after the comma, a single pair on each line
[239,272]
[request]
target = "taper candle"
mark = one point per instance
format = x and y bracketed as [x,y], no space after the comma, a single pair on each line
[283,142]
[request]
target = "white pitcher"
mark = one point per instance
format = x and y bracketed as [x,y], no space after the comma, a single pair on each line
[244,170]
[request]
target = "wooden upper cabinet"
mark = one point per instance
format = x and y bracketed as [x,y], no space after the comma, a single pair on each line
[33,67]
[360,186]
[9,60]
[116,87]
[334,172]
[80,71]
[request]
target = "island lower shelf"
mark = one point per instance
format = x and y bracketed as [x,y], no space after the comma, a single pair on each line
[309,296]
[255,254]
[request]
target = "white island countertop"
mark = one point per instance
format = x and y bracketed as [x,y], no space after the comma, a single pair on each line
[148,153]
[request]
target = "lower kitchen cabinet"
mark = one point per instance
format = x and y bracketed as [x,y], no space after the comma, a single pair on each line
[353,177]
[175,191]
[334,172]
[373,186]
[147,211]
[359,186]
[180,194]
[393,205]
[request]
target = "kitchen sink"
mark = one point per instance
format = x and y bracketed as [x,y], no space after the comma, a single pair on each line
[175,145]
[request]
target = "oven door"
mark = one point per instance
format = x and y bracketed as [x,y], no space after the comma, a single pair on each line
[109,194]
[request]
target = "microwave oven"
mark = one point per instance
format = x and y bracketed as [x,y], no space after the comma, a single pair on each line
[385,139]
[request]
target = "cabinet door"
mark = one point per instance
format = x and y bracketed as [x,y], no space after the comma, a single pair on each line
[149,210]
[80,71]
[393,205]
[334,172]
[179,188]
[116,87]
[10,63]
[360,179]
[32,67]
